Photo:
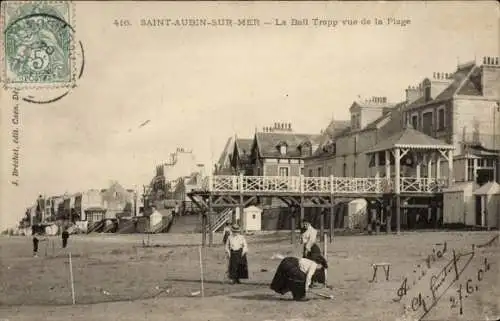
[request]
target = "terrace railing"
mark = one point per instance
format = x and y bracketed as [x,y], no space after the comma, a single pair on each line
[318,185]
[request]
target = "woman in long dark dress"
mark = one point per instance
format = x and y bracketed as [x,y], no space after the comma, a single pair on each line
[237,249]
[312,250]
[295,275]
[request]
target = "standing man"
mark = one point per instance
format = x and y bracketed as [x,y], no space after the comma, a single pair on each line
[237,249]
[37,238]
[312,251]
[65,237]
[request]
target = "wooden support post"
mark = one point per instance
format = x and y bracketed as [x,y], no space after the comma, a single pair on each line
[302,209]
[332,219]
[398,213]
[397,163]
[451,178]
[322,225]
[292,225]
[210,219]
[242,210]
[438,215]
[204,228]
[388,215]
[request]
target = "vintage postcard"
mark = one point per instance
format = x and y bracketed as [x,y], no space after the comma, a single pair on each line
[274,160]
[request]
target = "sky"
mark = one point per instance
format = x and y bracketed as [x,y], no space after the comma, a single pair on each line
[200,85]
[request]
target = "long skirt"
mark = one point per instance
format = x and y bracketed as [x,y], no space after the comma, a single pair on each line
[238,265]
[319,275]
[289,278]
[65,237]
[35,245]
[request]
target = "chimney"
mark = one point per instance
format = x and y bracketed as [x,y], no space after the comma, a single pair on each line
[412,93]
[440,82]
[490,76]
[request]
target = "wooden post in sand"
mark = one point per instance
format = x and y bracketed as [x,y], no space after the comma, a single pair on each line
[71,279]
[201,273]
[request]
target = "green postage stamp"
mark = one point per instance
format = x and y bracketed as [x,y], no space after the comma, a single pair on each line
[38,44]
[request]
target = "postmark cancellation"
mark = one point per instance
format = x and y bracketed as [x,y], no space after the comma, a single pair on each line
[38,46]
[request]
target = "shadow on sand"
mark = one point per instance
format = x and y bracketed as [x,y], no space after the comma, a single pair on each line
[264,297]
[243,282]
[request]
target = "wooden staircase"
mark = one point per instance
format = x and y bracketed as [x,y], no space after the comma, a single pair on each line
[95,226]
[220,220]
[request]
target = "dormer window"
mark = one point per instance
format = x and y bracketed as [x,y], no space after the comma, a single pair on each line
[282,146]
[306,148]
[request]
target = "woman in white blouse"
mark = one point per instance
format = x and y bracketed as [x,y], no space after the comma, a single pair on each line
[237,249]
[295,275]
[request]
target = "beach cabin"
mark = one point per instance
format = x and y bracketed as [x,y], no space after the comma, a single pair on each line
[458,204]
[487,199]
[251,220]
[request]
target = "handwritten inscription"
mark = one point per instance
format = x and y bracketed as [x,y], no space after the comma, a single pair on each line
[471,286]
[420,271]
[437,283]
[322,22]
[15,135]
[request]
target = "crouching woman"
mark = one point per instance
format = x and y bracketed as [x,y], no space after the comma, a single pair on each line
[295,275]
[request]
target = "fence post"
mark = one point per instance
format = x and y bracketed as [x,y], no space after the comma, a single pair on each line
[240,183]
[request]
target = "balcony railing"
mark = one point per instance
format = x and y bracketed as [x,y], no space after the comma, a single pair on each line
[319,185]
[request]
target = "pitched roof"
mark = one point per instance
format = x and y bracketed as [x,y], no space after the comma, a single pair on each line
[464,82]
[410,138]
[244,145]
[224,156]
[472,85]
[267,143]
[490,188]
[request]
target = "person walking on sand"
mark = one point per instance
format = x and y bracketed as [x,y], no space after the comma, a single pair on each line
[237,249]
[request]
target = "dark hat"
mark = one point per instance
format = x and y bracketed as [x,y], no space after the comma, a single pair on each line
[235,228]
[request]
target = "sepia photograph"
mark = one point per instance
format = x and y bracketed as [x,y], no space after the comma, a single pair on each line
[249,160]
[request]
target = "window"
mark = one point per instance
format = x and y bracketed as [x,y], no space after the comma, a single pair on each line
[441,122]
[414,121]
[283,149]
[283,171]
[253,216]
[302,171]
[355,121]
[427,123]
[330,171]
[310,173]
[427,93]
[344,170]
[470,170]
[320,172]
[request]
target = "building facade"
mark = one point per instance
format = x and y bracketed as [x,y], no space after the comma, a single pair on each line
[343,154]
[460,108]
[278,151]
